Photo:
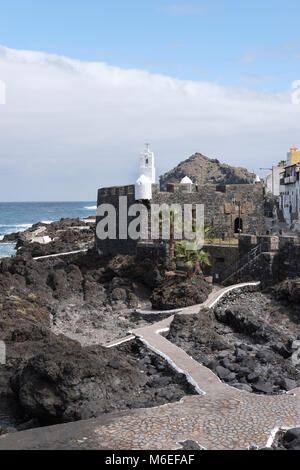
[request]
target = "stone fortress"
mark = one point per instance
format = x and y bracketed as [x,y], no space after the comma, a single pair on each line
[229,209]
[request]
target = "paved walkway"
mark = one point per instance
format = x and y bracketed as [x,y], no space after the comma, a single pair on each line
[60,254]
[223,420]
[220,417]
[214,297]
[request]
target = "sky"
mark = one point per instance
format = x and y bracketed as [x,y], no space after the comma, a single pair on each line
[88,82]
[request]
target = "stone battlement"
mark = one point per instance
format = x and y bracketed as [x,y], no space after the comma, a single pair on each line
[268,243]
[239,189]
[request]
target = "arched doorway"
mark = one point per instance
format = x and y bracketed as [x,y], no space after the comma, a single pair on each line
[238,225]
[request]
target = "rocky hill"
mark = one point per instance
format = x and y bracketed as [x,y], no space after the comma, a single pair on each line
[204,170]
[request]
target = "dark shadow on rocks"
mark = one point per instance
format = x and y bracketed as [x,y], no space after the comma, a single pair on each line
[69,383]
[242,342]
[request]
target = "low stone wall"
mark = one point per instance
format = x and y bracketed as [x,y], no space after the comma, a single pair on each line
[286,263]
[279,259]
[221,257]
[260,269]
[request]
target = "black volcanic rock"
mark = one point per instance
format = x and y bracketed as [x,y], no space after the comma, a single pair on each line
[289,290]
[241,342]
[291,439]
[66,382]
[66,235]
[176,292]
[204,170]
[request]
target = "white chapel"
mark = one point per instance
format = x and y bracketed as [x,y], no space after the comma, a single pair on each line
[143,185]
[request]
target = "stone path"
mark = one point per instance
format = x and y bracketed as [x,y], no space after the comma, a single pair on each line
[60,254]
[223,420]
[222,417]
[217,293]
[219,418]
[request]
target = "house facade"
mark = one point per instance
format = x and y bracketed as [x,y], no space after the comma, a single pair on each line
[273,180]
[290,195]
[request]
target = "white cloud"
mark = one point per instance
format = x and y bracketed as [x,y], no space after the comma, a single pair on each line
[70,126]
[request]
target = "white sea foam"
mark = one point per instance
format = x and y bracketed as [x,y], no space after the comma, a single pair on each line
[47,221]
[91,208]
[12,228]
[16,225]
[7,250]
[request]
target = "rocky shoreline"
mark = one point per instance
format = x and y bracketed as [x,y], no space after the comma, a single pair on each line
[43,239]
[248,340]
[57,314]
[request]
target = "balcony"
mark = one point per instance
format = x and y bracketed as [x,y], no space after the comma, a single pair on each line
[290,179]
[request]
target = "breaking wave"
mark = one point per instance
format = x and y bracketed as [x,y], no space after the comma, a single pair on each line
[17,226]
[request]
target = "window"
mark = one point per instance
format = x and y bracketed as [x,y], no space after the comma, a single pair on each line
[238,225]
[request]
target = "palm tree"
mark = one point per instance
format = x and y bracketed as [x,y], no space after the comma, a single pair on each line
[194,259]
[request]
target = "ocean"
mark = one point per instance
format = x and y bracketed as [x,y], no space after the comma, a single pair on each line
[18,216]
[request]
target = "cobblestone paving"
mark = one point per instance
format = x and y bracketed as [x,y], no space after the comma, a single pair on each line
[228,420]
[221,418]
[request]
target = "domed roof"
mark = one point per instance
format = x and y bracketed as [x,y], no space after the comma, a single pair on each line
[143,188]
[186,180]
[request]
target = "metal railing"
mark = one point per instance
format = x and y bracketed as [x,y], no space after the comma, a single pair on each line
[222,241]
[228,272]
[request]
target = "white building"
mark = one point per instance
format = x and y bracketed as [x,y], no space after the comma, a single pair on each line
[273,180]
[290,195]
[143,185]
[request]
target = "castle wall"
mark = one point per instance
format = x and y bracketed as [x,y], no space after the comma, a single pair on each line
[222,207]
[220,257]
[277,259]
[111,196]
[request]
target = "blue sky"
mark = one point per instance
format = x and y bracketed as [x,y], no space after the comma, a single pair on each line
[228,42]
[88,82]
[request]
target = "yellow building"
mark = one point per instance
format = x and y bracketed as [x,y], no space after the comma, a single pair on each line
[293,156]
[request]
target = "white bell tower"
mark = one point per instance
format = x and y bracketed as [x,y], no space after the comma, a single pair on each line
[143,185]
[147,167]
